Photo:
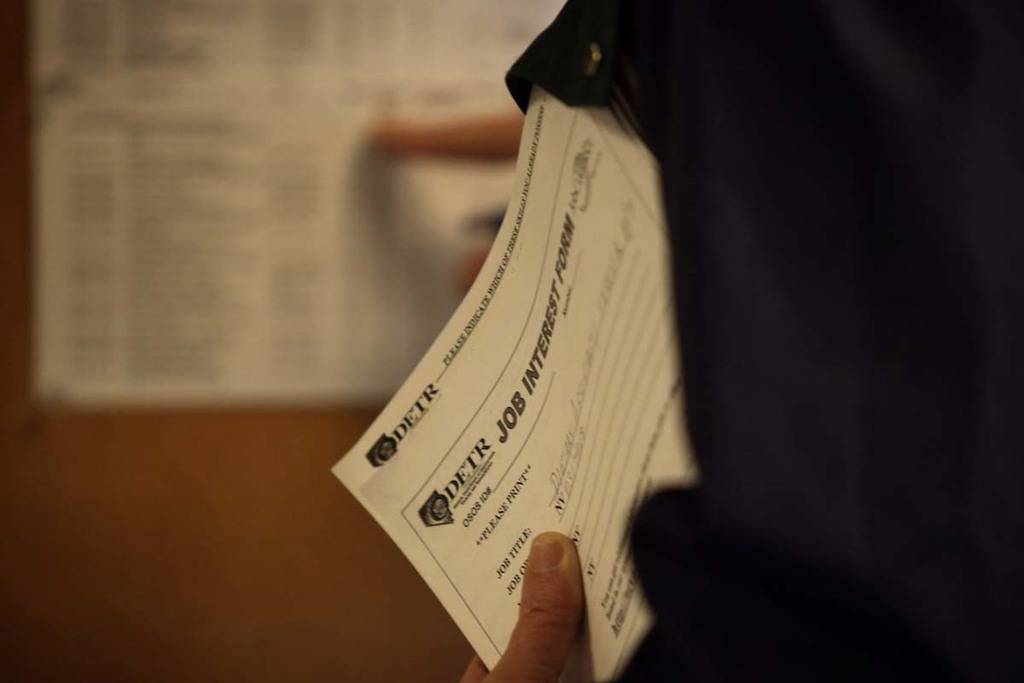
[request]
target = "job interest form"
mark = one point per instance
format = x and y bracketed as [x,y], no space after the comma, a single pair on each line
[551,400]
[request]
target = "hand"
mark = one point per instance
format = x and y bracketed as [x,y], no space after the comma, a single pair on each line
[549,617]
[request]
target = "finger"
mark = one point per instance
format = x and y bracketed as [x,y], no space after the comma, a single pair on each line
[549,614]
[475,672]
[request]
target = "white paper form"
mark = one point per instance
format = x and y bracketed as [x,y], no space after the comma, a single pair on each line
[210,224]
[551,400]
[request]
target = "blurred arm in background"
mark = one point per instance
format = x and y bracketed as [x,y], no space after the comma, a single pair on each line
[482,138]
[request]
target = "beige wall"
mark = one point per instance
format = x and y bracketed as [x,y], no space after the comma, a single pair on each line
[184,546]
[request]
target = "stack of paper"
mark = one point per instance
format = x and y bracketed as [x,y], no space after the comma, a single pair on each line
[551,400]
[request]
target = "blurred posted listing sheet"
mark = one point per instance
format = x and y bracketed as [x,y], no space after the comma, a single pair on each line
[210,224]
[551,400]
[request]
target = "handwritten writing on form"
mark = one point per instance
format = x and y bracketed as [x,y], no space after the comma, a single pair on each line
[550,401]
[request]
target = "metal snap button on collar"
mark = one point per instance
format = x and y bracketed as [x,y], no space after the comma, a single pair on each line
[592,60]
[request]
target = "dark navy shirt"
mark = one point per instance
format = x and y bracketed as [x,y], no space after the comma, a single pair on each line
[844,183]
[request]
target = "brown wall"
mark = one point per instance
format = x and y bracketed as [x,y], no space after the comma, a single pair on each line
[179,546]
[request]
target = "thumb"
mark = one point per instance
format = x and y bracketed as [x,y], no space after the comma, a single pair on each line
[549,614]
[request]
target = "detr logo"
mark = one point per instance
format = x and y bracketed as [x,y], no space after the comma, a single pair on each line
[387,445]
[436,510]
[382,451]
